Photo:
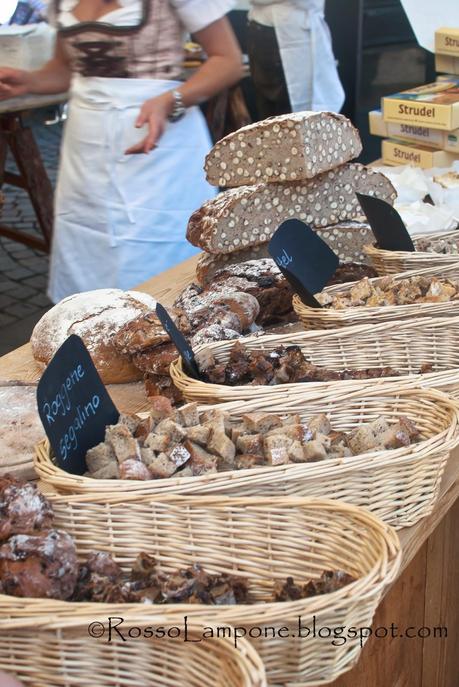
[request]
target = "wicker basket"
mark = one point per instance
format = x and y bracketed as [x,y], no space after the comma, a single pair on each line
[392,262]
[329,318]
[46,652]
[260,540]
[399,485]
[404,345]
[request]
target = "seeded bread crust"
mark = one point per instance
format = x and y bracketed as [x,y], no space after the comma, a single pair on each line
[290,147]
[345,238]
[249,216]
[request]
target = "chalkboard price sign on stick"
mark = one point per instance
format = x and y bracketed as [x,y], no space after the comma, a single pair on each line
[189,363]
[306,261]
[386,224]
[74,405]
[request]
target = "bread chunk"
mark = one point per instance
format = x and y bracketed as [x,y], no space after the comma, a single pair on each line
[161,466]
[276,448]
[108,471]
[249,216]
[188,415]
[288,147]
[260,423]
[199,434]
[134,469]
[314,451]
[201,461]
[251,444]
[99,456]
[123,444]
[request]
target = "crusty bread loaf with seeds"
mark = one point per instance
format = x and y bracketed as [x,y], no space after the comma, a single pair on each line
[290,147]
[354,235]
[249,216]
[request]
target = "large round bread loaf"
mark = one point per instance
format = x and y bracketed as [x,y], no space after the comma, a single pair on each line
[249,215]
[290,147]
[95,316]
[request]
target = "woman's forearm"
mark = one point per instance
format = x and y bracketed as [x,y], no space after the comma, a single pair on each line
[54,77]
[222,69]
[214,76]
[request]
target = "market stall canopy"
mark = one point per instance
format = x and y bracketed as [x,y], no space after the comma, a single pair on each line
[426,16]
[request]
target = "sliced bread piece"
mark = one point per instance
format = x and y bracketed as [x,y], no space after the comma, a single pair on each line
[249,216]
[347,239]
[290,147]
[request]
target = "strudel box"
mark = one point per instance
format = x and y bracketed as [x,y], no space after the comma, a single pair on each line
[435,105]
[447,64]
[447,41]
[403,153]
[432,138]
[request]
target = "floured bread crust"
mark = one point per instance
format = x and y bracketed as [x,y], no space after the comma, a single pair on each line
[95,316]
[20,430]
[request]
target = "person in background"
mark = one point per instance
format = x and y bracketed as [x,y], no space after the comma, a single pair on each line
[131,168]
[291,58]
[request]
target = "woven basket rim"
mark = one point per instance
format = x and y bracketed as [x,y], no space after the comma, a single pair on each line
[327,339]
[27,611]
[374,251]
[446,440]
[427,271]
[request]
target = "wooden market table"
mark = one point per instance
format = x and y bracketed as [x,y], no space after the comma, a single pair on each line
[18,139]
[426,594]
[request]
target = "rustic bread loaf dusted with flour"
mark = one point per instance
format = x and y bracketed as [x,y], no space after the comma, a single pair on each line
[96,316]
[249,216]
[290,147]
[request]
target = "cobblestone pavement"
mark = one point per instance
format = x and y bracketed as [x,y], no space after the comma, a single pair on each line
[23,271]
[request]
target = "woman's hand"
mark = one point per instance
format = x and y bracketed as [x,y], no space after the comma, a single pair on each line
[13,83]
[154,113]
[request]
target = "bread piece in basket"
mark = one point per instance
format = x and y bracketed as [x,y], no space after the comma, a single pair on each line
[406,346]
[393,261]
[332,318]
[399,484]
[263,540]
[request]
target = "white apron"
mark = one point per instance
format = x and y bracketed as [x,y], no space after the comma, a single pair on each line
[307,56]
[120,219]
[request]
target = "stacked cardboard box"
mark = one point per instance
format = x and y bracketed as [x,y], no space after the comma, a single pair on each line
[447,51]
[421,126]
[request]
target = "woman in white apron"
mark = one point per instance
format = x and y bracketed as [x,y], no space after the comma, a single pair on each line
[291,57]
[121,214]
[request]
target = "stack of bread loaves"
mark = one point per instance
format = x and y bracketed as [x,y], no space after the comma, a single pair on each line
[291,166]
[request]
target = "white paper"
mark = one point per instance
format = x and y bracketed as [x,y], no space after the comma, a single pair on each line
[426,16]
[413,184]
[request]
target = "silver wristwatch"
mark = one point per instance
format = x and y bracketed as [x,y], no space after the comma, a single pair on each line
[179,110]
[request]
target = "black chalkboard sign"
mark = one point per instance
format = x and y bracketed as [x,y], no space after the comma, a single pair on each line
[189,363]
[386,224]
[304,258]
[74,405]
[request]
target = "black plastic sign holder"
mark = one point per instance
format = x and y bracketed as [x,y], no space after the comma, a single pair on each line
[386,224]
[74,405]
[189,363]
[305,260]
